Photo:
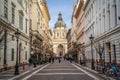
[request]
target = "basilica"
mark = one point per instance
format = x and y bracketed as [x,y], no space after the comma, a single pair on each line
[59,37]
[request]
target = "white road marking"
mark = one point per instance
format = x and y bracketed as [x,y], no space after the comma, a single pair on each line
[19,75]
[23,73]
[88,68]
[89,74]
[60,73]
[58,69]
[6,75]
[61,66]
[34,72]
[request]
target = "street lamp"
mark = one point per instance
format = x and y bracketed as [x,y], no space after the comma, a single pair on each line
[91,39]
[17,33]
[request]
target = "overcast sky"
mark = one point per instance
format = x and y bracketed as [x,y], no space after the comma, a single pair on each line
[66,8]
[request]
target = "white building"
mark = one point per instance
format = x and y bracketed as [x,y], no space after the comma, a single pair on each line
[14,14]
[102,20]
[59,37]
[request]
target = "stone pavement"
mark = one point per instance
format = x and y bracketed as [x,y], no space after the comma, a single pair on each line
[59,71]
[63,71]
[9,74]
[54,71]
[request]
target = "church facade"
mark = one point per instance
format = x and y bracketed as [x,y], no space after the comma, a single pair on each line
[59,37]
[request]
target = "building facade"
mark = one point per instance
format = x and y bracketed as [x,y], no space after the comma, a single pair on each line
[59,37]
[69,40]
[14,15]
[79,29]
[39,27]
[102,20]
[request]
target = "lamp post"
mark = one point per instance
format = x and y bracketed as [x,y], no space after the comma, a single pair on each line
[17,33]
[91,39]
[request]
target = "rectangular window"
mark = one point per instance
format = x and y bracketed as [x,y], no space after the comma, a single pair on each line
[57,34]
[12,54]
[12,37]
[25,42]
[25,55]
[115,15]
[114,51]
[26,6]
[26,25]
[21,22]
[109,14]
[6,9]
[13,14]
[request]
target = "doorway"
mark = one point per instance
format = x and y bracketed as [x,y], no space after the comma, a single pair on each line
[60,50]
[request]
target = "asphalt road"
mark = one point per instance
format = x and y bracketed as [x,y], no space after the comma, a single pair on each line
[53,71]
[60,71]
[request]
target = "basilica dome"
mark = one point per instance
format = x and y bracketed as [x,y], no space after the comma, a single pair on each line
[60,23]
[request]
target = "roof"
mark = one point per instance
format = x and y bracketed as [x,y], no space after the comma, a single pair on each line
[60,22]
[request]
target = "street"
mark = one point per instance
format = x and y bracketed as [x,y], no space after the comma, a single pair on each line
[53,71]
[59,71]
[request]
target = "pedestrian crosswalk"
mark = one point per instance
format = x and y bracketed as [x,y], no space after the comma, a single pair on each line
[60,71]
[51,71]
[60,74]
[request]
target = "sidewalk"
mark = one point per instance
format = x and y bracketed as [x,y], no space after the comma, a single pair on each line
[9,74]
[97,73]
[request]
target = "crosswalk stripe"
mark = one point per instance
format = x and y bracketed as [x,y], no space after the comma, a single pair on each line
[6,75]
[60,69]
[59,73]
[19,75]
[94,77]
[34,72]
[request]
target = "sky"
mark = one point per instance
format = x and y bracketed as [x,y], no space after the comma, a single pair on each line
[63,6]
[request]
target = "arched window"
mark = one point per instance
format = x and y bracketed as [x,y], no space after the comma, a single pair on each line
[57,34]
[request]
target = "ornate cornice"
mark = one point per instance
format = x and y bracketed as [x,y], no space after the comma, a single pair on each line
[10,27]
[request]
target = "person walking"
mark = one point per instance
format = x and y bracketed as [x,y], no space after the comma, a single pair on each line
[59,60]
[52,60]
[49,60]
[30,62]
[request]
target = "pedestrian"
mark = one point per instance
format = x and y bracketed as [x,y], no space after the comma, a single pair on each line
[23,65]
[52,60]
[30,61]
[49,60]
[64,57]
[70,60]
[59,60]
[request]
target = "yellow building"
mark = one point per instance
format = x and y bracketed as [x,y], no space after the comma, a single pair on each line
[79,29]
[59,37]
[39,19]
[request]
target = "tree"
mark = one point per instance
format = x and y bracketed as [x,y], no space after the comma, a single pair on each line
[100,50]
